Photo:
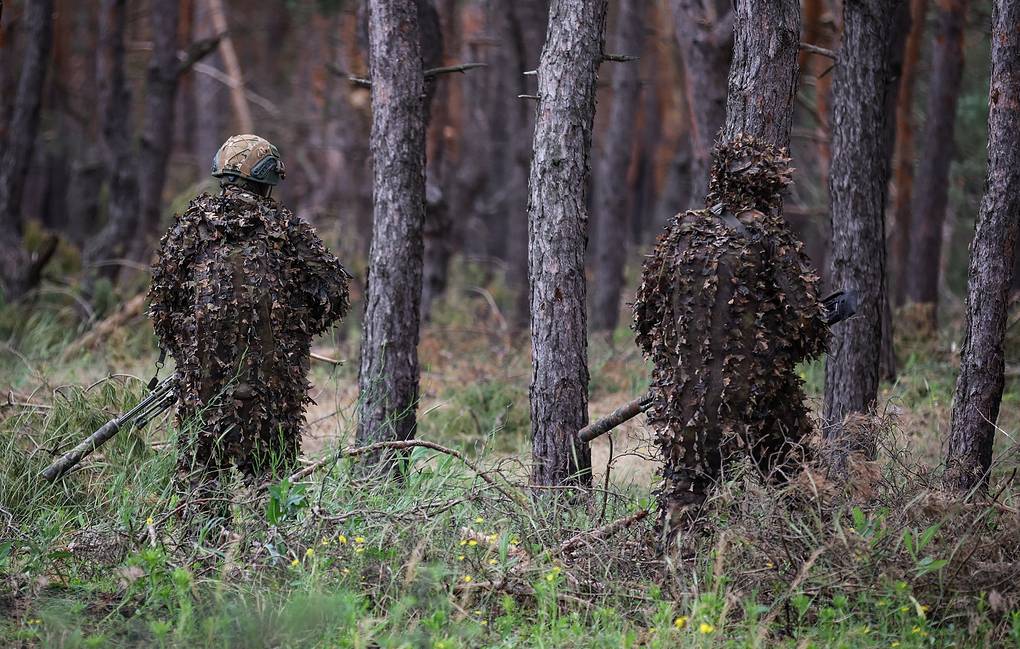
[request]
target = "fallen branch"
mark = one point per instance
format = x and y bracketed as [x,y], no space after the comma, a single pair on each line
[104,329]
[603,532]
[620,58]
[624,413]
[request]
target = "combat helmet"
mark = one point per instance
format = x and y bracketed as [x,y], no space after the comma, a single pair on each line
[245,159]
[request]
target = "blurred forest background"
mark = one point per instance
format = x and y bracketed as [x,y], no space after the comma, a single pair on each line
[137,99]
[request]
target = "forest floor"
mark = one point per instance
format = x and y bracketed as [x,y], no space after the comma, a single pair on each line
[446,556]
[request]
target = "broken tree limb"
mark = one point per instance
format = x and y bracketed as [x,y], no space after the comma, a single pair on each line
[620,58]
[624,413]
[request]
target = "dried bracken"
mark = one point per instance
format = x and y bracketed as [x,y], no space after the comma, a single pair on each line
[727,307]
[240,289]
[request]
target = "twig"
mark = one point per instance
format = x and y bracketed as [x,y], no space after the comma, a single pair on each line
[766,622]
[535,97]
[400,445]
[428,74]
[327,359]
[821,51]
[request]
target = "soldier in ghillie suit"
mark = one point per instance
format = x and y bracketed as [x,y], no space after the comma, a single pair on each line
[727,307]
[240,289]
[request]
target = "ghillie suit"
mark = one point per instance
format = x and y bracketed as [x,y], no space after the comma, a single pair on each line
[727,307]
[240,289]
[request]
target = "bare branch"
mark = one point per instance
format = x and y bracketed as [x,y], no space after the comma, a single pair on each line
[821,51]
[196,52]
[603,532]
[619,58]
[535,97]
[429,73]
[612,420]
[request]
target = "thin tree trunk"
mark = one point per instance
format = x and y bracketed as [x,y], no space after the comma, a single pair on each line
[763,74]
[122,212]
[558,223]
[438,227]
[980,383]
[16,269]
[209,123]
[611,190]
[704,30]
[239,101]
[857,188]
[388,376]
[158,128]
[528,21]
[933,167]
[899,244]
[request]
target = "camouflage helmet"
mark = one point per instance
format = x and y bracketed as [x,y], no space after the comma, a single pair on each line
[251,158]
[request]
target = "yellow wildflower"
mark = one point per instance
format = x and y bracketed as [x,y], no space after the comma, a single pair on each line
[149,521]
[341,539]
[493,562]
[468,578]
[460,557]
[359,549]
[359,539]
[295,563]
[706,628]
[479,519]
[472,542]
[310,552]
[680,622]
[324,542]
[463,541]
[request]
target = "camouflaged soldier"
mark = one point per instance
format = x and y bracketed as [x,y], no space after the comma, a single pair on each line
[727,307]
[240,289]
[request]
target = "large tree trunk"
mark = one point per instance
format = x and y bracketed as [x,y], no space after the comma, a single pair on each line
[16,269]
[122,213]
[763,74]
[899,240]
[611,189]
[158,127]
[388,376]
[704,30]
[567,76]
[980,383]
[857,187]
[933,167]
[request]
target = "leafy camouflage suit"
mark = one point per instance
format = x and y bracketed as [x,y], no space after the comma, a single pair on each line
[727,307]
[240,289]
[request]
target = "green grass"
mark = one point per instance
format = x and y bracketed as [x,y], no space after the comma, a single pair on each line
[440,558]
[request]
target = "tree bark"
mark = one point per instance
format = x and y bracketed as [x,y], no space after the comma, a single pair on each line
[857,187]
[704,30]
[16,268]
[158,128]
[899,241]
[933,167]
[388,376]
[980,383]
[611,190]
[763,75]
[122,212]
[567,76]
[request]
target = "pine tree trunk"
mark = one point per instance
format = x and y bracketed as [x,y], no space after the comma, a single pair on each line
[528,21]
[15,266]
[158,128]
[611,190]
[122,212]
[704,30]
[567,76]
[388,376]
[857,187]
[899,240]
[763,74]
[932,180]
[980,383]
